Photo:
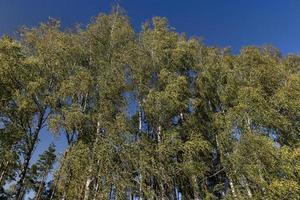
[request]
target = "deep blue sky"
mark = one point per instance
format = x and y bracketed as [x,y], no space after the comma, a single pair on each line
[232,23]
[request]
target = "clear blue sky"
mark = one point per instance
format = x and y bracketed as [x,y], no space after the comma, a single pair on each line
[232,23]
[224,23]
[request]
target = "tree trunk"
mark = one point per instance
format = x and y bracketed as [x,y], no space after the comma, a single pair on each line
[138,138]
[245,184]
[87,188]
[90,178]
[140,116]
[262,180]
[2,176]
[195,188]
[140,186]
[162,191]
[64,196]
[56,183]
[111,192]
[31,145]
[3,172]
[231,184]
[175,190]
[39,193]
[96,190]
[232,187]
[20,184]
[54,190]
[159,134]
[41,186]
[161,185]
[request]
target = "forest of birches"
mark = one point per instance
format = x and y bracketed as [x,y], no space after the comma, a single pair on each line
[149,115]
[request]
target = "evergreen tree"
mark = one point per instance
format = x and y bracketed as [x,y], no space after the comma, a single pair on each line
[41,170]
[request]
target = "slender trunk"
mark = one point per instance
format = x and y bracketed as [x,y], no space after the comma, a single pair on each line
[195,188]
[159,134]
[39,193]
[232,187]
[138,138]
[244,180]
[248,122]
[262,180]
[176,196]
[140,186]
[32,142]
[162,191]
[161,184]
[231,184]
[57,182]
[90,178]
[96,182]
[2,176]
[20,184]
[175,189]
[4,166]
[245,184]
[181,117]
[140,116]
[248,189]
[152,185]
[111,192]
[64,163]
[98,131]
[41,186]
[54,189]
[87,187]
[64,196]
[22,194]
[96,190]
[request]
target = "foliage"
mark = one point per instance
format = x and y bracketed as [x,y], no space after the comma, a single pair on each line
[152,114]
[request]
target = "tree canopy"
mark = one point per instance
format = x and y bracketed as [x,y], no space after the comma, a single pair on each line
[147,115]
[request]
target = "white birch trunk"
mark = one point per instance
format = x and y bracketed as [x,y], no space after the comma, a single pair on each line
[87,189]
[231,184]
[88,182]
[163,192]
[195,188]
[159,134]
[140,186]
[3,172]
[245,184]
[2,176]
[140,116]
[90,179]
[262,180]
[96,190]
[97,185]
[232,187]
[161,185]
[57,183]
[140,173]
[181,116]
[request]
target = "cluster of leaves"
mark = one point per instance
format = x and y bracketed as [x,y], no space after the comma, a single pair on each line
[148,115]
